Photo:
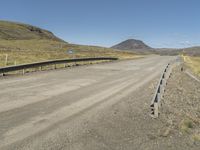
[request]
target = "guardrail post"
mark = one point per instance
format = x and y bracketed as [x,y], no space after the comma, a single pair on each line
[158,89]
[23,71]
[158,97]
[170,75]
[181,69]
[156,110]
[164,82]
[163,76]
[161,89]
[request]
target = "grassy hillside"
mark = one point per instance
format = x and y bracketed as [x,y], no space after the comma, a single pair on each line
[19,31]
[25,44]
[193,63]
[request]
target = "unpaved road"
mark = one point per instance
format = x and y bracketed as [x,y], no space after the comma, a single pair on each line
[70,109]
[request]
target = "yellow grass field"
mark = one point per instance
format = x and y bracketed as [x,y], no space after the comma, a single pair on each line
[29,51]
[193,63]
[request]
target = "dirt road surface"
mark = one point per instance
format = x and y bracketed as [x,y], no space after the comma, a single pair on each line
[97,107]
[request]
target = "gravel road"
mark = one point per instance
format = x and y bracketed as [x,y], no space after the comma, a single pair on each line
[102,106]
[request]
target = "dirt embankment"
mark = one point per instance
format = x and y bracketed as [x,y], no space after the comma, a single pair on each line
[181,110]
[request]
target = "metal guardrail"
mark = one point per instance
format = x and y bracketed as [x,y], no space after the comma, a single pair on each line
[156,101]
[51,62]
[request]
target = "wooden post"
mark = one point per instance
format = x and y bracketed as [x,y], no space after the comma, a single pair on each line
[6,60]
[23,71]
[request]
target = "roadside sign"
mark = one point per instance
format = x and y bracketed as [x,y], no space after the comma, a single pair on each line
[70,51]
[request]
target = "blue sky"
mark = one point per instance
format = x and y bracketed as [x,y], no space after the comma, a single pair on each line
[159,23]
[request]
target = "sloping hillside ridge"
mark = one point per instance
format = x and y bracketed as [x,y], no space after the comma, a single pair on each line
[19,31]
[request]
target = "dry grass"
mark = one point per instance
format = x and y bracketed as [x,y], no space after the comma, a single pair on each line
[28,51]
[186,125]
[193,63]
[20,31]
[196,137]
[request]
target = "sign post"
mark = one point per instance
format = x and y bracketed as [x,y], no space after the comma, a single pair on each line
[6,60]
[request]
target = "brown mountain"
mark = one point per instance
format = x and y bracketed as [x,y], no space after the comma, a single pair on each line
[131,44]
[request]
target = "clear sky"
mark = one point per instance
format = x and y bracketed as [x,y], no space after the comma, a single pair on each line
[159,23]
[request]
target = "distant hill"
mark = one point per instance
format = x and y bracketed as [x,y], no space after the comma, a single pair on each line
[19,31]
[131,44]
[139,47]
[168,51]
[192,51]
